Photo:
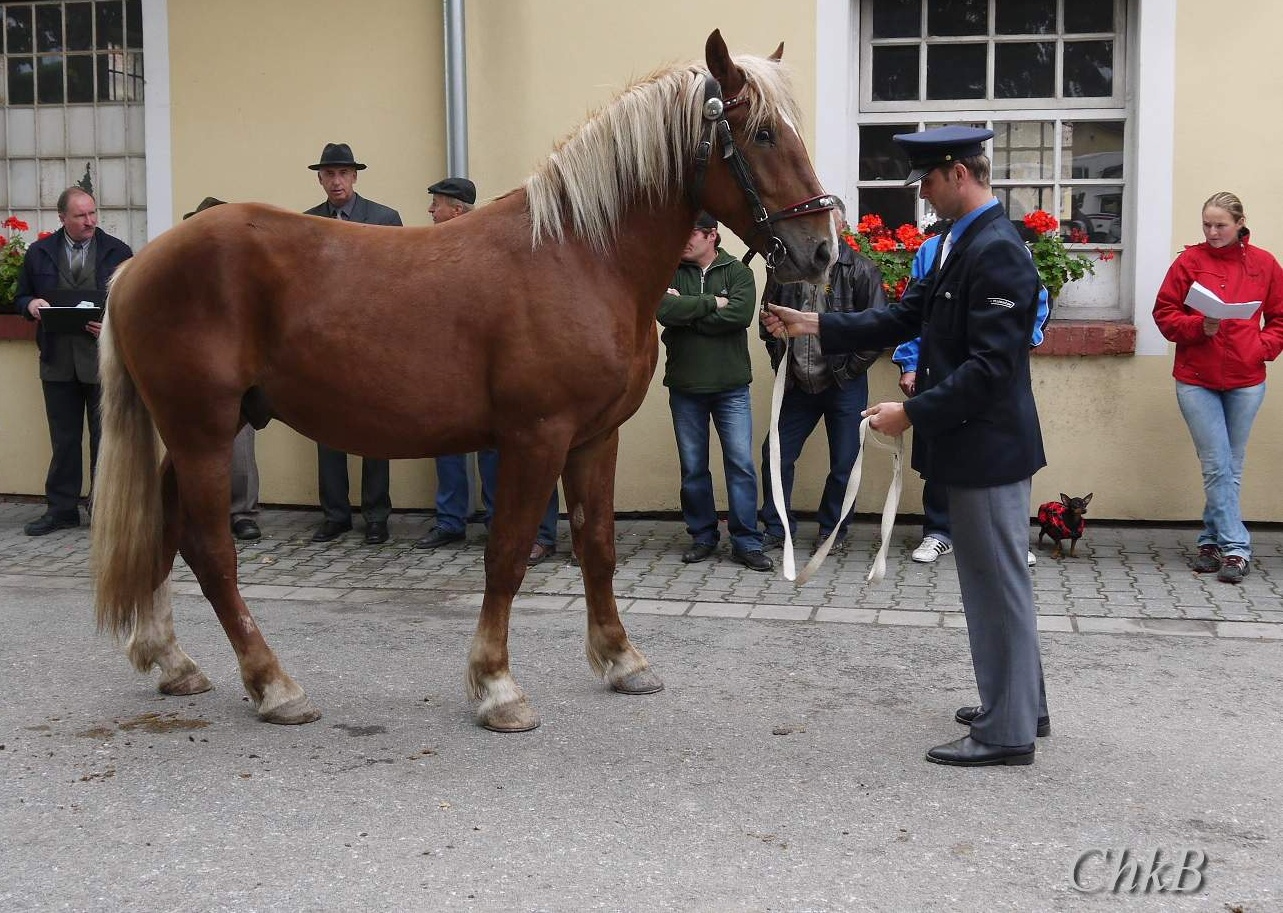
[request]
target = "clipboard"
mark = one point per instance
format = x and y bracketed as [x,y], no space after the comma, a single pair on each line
[70,309]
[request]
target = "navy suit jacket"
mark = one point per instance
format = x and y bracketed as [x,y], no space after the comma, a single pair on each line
[363,210]
[974,419]
[65,356]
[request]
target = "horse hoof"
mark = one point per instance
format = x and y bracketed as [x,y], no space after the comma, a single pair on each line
[191,683]
[291,713]
[643,681]
[514,717]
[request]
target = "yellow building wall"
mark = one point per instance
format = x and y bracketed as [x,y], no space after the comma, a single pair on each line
[249,114]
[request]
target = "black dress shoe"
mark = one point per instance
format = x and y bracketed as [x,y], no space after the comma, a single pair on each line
[376,532]
[967,752]
[755,560]
[331,529]
[246,529]
[967,715]
[438,537]
[51,523]
[698,552]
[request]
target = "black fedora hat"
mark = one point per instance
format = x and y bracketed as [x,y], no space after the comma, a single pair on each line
[337,155]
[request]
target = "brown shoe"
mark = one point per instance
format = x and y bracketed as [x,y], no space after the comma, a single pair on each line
[540,553]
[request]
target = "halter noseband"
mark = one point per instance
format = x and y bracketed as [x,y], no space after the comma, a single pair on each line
[717,126]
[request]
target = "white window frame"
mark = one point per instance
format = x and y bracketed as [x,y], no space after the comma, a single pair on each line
[1150,39]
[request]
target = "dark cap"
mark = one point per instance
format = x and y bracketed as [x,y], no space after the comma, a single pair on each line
[938,146]
[337,155]
[459,188]
[705,222]
[204,205]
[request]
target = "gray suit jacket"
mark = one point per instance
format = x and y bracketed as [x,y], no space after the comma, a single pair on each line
[363,210]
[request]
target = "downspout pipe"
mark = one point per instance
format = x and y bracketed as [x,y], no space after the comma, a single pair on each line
[456,90]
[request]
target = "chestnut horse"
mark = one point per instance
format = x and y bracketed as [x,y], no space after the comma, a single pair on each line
[527,326]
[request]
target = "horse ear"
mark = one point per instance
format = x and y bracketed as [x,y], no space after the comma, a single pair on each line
[779,53]
[721,66]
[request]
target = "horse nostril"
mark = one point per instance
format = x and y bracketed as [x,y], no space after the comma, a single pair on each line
[824,254]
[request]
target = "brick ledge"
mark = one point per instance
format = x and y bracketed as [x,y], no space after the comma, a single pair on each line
[14,327]
[1088,337]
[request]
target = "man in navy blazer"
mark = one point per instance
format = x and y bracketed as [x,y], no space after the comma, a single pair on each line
[337,171]
[80,256]
[975,427]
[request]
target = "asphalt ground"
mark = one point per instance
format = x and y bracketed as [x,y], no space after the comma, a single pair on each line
[781,769]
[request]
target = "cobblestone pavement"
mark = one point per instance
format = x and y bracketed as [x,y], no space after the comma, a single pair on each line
[1125,579]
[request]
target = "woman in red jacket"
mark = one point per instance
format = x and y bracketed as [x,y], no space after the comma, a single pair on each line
[1220,369]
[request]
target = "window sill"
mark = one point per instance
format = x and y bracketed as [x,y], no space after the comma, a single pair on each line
[1088,337]
[14,327]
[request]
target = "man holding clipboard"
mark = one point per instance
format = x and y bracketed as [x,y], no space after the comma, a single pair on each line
[59,275]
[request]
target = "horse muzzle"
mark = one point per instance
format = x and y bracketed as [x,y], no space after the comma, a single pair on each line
[805,257]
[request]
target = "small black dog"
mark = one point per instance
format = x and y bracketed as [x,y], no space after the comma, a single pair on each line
[1062,520]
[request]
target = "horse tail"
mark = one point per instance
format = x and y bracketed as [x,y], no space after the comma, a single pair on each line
[127,523]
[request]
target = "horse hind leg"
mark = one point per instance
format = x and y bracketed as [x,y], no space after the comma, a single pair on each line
[204,494]
[589,481]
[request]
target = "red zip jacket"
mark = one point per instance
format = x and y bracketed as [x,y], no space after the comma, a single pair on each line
[1235,357]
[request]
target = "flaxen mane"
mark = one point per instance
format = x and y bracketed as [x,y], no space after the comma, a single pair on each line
[637,148]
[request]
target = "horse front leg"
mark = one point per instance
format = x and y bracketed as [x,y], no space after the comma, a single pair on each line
[526,477]
[589,481]
[204,492]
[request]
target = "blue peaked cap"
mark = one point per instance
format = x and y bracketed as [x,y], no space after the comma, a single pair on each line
[938,146]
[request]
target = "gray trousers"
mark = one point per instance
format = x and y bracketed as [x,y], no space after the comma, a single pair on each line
[244,476]
[991,544]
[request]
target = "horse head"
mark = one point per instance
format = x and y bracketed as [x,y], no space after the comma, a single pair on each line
[752,171]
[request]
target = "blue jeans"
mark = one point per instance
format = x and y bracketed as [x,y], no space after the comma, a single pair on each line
[1219,422]
[731,415]
[840,407]
[452,495]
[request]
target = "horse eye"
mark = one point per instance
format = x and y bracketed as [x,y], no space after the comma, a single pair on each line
[764,137]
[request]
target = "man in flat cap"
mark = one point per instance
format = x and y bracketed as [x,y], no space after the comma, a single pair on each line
[244,466]
[976,426]
[451,198]
[337,172]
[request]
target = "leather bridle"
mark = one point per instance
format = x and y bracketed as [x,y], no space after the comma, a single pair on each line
[717,128]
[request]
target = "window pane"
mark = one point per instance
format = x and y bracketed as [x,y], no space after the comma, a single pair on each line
[80,26]
[1092,149]
[880,158]
[111,24]
[1089,69]
[1024,70]
[958,17]
[49,80]
[80,78]
[48,28]
[895,205]
[895,74]
[897,19]
[1098,211]
[1089,16]
[956,71]
[1025,17]
[134,23]
[22,81]
[1024,151]
[1020,201]
[17,27]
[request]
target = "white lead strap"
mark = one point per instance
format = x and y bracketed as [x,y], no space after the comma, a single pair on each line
[889,507]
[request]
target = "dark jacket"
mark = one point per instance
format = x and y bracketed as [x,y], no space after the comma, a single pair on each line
[39,279]
[707,348]
[855,284]
[974,419]
[365,211]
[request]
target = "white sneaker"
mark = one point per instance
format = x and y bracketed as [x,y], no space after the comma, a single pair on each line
[1033,559]
[931,549]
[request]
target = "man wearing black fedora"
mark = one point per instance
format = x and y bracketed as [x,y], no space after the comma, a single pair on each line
[337,172]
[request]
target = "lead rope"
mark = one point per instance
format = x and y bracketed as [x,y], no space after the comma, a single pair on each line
[889,507]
